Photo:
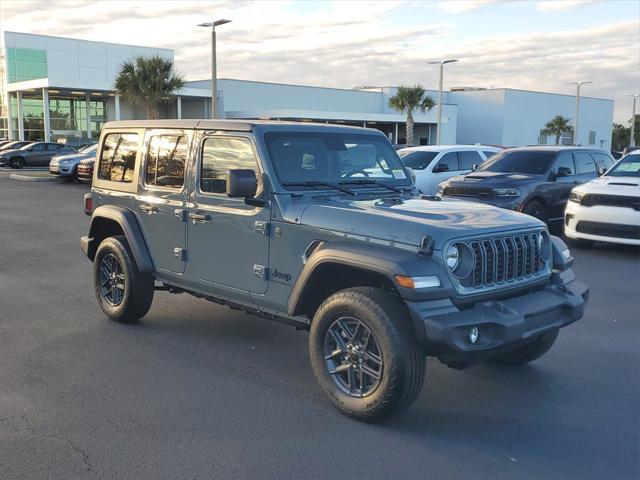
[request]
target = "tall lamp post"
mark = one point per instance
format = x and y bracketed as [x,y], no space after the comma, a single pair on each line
[575,128]
[214,73]
[632,140]
[439,125]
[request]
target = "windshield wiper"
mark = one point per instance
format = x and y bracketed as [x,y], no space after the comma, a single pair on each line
[313,183]
[371,182]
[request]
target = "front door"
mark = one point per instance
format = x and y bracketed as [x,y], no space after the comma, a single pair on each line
[228,242]
[161,203]
[446,167]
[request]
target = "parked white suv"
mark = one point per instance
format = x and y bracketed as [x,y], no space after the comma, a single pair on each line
[607,209]
[433,164]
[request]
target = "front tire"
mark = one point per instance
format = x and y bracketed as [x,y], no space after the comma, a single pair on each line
[124,293]
[535,209]
[364,355]
[529,352]
[580,242]
[17,163]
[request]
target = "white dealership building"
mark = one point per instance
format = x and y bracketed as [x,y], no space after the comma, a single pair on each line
[75,79]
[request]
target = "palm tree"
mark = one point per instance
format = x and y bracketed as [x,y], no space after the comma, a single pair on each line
[148,82]
[408,99]
[557,126]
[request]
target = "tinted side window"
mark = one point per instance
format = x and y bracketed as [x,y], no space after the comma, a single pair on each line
[565,161]
[603,161]
[38,148]
[584,163]
[220,155]
[118,157]
[166,158]
[468,158]
[489,154]
[448,163]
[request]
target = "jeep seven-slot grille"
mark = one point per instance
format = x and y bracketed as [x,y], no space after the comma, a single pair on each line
[501,260]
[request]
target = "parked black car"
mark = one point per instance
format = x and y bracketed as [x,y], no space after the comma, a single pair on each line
[533,180]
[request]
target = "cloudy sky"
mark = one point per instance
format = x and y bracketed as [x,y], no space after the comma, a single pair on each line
[537,45]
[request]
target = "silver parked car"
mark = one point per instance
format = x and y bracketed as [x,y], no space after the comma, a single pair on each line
[66,165]
[36,153]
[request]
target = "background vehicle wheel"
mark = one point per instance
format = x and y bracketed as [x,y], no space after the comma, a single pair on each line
[17,162]
[364,355]
[123,292]
[535,209]
[529,352]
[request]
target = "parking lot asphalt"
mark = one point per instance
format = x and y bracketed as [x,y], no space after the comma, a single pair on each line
[196,390]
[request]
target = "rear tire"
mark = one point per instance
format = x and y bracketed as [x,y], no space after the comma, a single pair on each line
[529,352]
[535,209]
[124,293]
[17,162]
[389,349]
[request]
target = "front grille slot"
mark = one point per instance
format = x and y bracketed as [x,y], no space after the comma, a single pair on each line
[504,260]
[627,201]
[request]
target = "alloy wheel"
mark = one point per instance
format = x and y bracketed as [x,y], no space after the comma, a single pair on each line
[353,357]
[112,280]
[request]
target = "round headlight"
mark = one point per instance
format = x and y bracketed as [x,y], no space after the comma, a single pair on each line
[452,257]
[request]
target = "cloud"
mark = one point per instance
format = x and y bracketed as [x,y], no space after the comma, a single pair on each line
[462,6]
[342,44]
[559,5]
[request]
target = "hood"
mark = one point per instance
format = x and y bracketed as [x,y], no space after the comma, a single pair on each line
[496,179]
[72,156]
[611,186]
[408,220]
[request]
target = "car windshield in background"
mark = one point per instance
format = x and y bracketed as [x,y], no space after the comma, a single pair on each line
[334,158]
[416,159]
[527,162]
[629,166]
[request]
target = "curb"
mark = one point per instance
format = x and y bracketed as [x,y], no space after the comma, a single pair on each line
[26,178]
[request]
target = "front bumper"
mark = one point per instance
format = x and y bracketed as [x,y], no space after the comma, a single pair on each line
[502,324]
[61,170]
[601,214]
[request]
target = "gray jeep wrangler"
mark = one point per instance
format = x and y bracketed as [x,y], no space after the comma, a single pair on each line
[322,227]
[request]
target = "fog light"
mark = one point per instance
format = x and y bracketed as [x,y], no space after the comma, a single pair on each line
[474,334]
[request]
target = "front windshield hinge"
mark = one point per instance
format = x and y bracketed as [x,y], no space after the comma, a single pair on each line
[426,246]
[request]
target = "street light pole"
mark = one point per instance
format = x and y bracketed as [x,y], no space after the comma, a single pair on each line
[439,124]
[632,140]
[214,73]
[575,128]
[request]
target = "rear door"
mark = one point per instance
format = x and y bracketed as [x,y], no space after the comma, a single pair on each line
[37,155]
[161,202]
[586,168]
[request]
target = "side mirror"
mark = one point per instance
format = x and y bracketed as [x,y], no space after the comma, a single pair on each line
[563,172]
[441,168]
[241,183]
[601,171]
[474,167]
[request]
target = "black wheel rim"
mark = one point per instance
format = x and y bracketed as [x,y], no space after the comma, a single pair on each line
[111,279]
[353,357]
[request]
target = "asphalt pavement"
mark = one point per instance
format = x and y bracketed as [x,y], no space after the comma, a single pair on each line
[196,390]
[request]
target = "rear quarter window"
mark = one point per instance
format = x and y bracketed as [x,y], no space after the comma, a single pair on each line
[118,157]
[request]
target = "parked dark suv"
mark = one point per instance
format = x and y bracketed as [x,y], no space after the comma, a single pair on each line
[532,180]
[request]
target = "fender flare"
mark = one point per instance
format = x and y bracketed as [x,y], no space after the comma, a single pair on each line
[384,260]
[128,222]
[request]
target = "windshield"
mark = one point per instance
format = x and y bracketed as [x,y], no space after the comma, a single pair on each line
[11,145]
[334,158]
[628,166]
[27,145]
[416,159]
[89,149]
[519,161]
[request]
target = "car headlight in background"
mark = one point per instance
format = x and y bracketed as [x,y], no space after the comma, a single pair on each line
[65,162]
[452,257]
[576,197]
[507,192]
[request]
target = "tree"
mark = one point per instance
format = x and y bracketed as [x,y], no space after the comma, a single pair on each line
[148,82]
[408,99]
[557,126]
[619,137]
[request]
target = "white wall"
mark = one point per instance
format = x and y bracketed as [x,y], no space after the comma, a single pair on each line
[480,116]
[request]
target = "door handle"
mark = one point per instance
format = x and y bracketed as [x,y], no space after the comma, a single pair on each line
[199,217]
[149,209]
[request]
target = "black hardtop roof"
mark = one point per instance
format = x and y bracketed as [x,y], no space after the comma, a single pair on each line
[237,125]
